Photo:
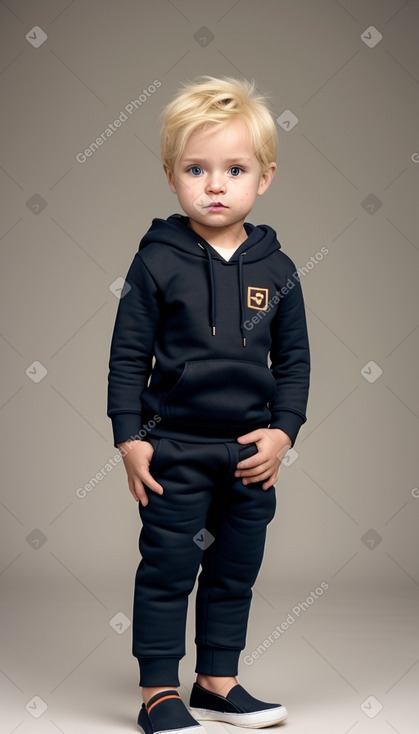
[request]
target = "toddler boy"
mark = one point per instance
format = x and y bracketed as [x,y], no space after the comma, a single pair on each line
[208,386]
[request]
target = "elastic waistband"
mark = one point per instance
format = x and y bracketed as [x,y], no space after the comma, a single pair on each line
[200,435]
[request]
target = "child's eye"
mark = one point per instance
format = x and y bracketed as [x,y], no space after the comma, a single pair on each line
[196,170]
[236,171]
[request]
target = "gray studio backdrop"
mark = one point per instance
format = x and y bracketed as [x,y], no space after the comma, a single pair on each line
[343,77]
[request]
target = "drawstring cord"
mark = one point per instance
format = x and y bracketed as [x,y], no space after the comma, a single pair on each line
[212,288]
[213,297]
[241,297]
[213,294]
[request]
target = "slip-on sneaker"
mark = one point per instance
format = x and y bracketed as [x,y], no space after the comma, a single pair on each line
[165,713]
[238,708]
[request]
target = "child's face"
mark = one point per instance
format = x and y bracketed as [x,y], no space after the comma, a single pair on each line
[218,177]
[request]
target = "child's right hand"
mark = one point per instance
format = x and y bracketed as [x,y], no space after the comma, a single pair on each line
[137,457]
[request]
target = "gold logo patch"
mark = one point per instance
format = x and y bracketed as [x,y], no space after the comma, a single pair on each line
[257,298]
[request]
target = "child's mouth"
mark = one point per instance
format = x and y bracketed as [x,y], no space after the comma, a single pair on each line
[216,205]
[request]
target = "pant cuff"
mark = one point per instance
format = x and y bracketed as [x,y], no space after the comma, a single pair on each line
[217,661]
[159,671]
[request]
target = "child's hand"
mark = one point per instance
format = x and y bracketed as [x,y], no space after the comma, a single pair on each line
[137,461]
[272,445]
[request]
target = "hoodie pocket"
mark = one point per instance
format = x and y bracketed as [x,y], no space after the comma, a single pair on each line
[220,392]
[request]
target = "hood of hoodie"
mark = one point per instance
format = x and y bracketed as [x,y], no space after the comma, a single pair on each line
[260,243]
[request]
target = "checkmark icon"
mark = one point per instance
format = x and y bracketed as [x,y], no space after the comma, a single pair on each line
[36,371]
[120,287]
[289,458]
[371,539]
[36,707]
[36,204]
[287,120]
[204,36]
[203,538]
[36,539]
[371,36]
[371,203]
[371,706]
[371,371]
[120,622]
[36,36]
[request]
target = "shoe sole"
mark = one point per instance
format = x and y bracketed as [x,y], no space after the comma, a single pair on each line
[185,730]
[256,720]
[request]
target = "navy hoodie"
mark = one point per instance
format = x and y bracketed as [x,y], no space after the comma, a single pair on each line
[205,349]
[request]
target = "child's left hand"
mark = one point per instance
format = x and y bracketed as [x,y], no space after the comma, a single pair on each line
[272,445]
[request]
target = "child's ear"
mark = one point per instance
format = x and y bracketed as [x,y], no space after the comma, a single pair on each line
[266,178]
[170,177]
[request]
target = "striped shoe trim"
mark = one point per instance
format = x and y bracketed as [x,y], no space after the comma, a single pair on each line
[163,698]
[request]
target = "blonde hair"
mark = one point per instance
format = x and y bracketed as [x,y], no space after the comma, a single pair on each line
[208,101]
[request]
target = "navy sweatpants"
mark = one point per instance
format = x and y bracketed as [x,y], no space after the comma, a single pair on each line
[207,517]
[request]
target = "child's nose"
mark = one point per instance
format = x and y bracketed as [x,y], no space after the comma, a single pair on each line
[217,183]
